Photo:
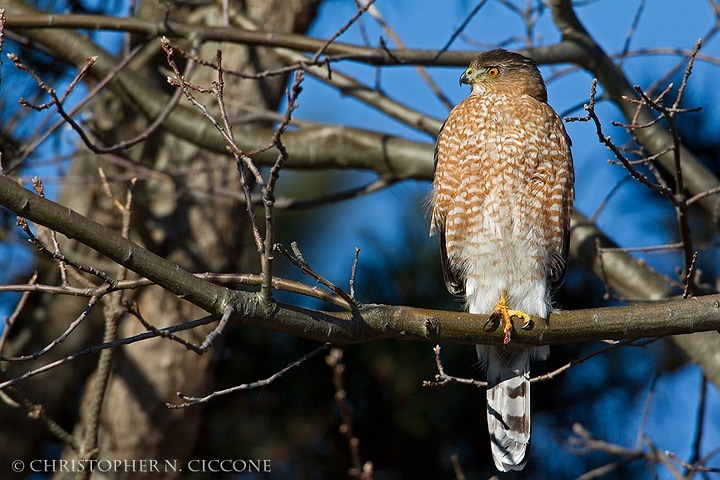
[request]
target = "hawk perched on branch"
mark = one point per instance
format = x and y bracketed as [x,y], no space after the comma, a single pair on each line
[502,202]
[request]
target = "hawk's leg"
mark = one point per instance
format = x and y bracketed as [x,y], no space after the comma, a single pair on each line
[502,310]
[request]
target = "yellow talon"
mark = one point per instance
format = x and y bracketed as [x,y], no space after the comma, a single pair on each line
[501,309]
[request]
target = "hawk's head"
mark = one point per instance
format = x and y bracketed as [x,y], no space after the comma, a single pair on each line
[502,71]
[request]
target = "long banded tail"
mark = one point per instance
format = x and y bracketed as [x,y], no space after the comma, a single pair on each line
[508,402]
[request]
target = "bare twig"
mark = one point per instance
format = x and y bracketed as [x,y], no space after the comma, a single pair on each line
[240,278]
[529,16]
[342,30]
[358,471]
[10,321]
[37,412]
[296,258]
[279,284]
[691,469]
[91,291]
[102,346]
[56,341]
[55,100]
[661,458]
[190,401]
[40,190]
[43,132]
[605,469]
[372,187]
[268,193]
[612,346]
[630,35]
[702,195]
[112,313]
[613,191]
[605,140]
[690,276]
[218,330]
[351,86]
[22,223]
[132,308]
[374,12]
[699,426]
[58,102]
[244,162]
[681,208]
[353,272]
[646,411]
[459,30]
[108,189]
[442,378]
[583,443]
[676,196]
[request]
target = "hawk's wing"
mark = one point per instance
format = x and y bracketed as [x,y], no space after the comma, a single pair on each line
[558,262]
[454,278]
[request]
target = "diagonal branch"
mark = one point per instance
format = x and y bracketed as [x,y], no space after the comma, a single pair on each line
[579,47]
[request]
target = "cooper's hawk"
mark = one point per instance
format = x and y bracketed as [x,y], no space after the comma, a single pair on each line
[502,202]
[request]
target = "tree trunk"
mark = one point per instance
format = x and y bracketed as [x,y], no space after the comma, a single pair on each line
[176,219]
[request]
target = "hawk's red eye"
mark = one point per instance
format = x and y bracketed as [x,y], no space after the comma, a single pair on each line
[493,71]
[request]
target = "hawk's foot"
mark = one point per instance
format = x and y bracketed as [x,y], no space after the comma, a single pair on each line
[502,310]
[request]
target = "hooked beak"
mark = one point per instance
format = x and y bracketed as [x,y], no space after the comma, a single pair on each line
[464,79]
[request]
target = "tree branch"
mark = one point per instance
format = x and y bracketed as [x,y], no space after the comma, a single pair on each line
[371,322]
[23,19]
[345,147]
[582,49]
[339,147]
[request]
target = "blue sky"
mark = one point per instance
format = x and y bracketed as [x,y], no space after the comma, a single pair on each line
[429,24]
[629,218]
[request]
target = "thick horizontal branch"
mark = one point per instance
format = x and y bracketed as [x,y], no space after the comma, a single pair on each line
[374,322]
[371,322]
[545,55]
[302,43]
